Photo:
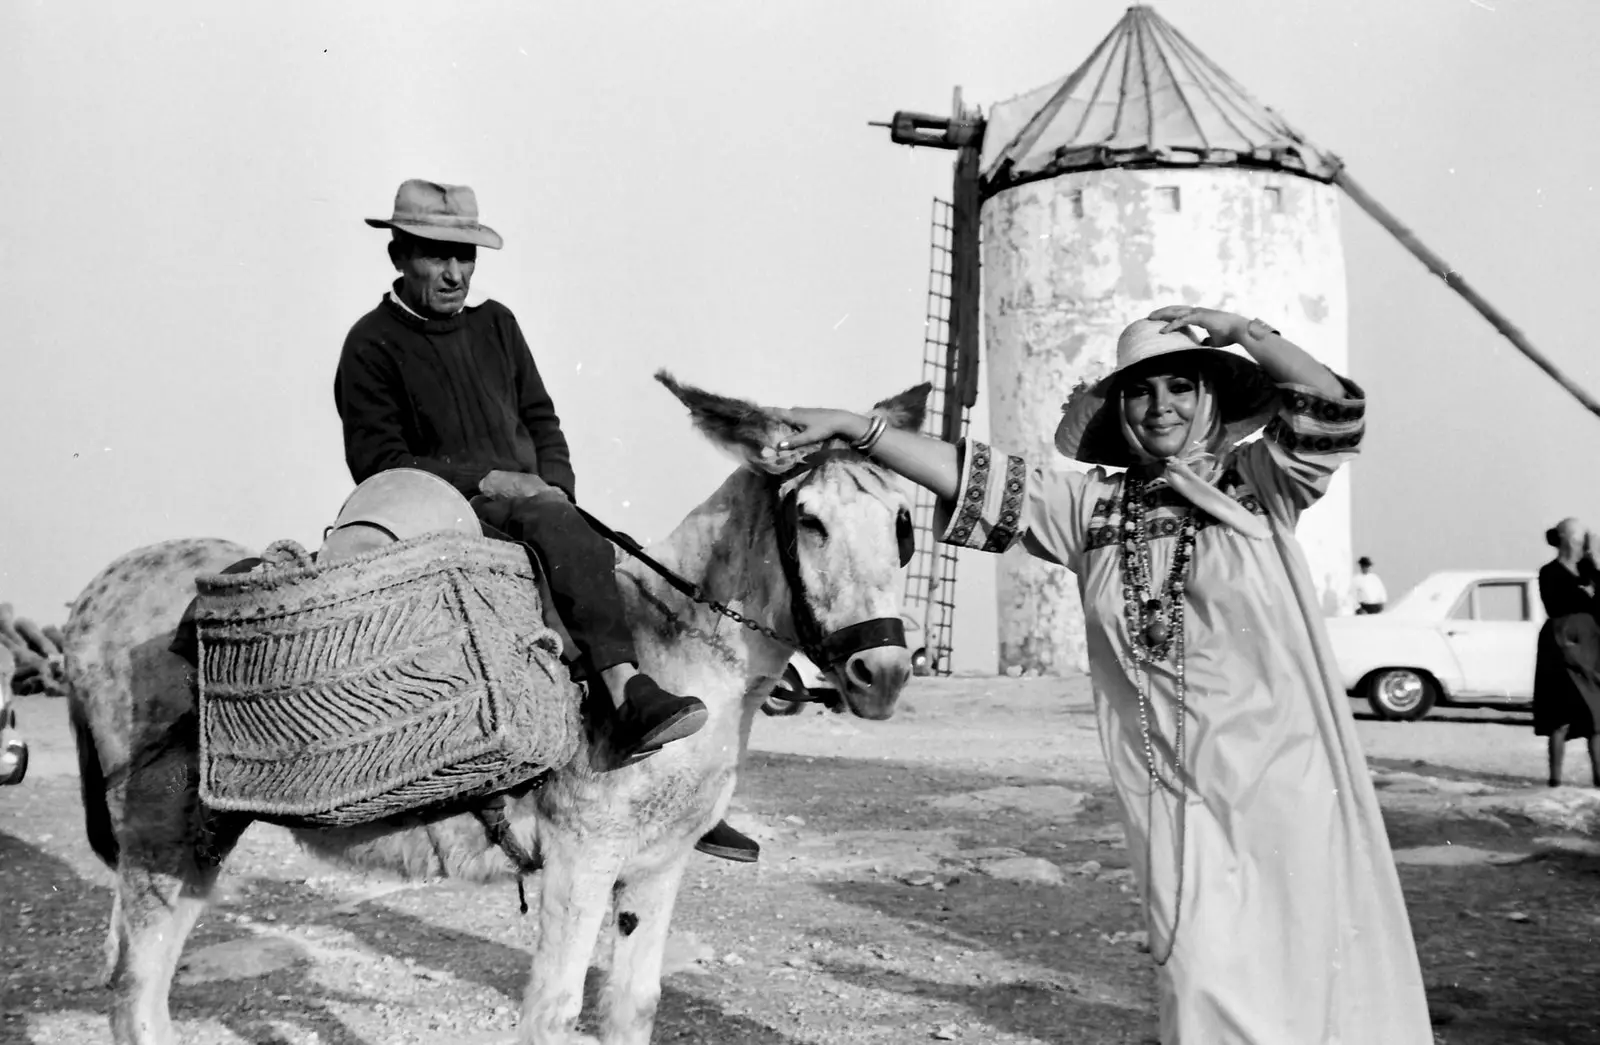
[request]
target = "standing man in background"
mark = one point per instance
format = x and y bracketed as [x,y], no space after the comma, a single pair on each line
[1369,590]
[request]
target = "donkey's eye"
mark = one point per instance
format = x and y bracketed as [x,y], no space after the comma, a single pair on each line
[814,526]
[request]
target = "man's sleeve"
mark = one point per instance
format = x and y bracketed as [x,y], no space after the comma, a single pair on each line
[538,415]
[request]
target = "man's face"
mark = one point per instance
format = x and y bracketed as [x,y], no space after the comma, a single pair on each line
[434,275]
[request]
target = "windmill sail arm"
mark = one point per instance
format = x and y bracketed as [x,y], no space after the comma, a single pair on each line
[1453,279]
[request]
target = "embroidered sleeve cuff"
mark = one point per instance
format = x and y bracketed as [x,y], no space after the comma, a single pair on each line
[1310,422]
[987,512]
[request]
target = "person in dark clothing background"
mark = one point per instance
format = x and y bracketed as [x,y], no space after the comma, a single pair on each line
[424,381]
[1566,680]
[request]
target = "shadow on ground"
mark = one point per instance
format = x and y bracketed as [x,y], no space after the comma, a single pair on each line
[1510,952]
[51,958]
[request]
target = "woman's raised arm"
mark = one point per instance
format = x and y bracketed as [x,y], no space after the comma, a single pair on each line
[928,462]
[1285,362]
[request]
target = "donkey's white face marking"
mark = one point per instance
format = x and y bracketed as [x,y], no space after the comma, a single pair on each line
[850,516]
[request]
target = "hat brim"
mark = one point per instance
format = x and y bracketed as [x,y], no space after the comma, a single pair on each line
[1090,430]
[477,235]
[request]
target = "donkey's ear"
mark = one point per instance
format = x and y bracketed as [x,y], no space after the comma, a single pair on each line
[907,409]
[738,427]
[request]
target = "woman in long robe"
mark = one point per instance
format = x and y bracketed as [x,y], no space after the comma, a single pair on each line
[1566,680]
[1274,907]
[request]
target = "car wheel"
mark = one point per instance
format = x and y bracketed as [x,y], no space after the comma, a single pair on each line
[1401,695]
[780,704]
[13,757]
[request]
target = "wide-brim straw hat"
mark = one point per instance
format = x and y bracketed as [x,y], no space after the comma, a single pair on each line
[438,212]
[1090,429]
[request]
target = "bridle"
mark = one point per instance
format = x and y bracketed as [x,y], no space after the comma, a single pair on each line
[827,650]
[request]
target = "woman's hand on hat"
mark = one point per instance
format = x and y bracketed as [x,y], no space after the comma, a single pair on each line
[1222,328]
[818,426]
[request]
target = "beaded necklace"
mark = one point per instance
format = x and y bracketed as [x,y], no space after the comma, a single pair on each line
[1155,625]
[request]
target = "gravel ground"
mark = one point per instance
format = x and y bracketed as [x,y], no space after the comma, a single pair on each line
[951,875]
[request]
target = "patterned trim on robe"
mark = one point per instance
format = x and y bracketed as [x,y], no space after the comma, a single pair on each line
[988,493]
[994,486]
[1309,422]
[1164,511]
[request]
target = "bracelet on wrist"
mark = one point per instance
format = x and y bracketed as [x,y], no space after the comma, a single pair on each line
[870,437]
[1258,329]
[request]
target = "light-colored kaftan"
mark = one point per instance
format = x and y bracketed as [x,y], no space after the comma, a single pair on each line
[1292,929]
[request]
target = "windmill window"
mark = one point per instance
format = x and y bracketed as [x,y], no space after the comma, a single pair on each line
[1076,199]
[1275,199]
[1167,199]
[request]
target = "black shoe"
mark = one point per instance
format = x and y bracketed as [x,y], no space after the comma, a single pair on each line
[730,844]
[651,718]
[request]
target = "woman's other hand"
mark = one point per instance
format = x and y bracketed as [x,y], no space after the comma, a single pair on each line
[818,426]
[1222,328]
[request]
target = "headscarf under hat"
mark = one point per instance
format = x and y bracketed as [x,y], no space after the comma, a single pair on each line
[1234,398]
[1194,469]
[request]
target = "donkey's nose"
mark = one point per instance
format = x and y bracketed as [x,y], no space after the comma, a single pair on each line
[882,671]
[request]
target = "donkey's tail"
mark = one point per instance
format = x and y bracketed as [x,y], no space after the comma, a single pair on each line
[96,811]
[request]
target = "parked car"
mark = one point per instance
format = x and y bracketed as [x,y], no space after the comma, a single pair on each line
[1465,638]
[804,683]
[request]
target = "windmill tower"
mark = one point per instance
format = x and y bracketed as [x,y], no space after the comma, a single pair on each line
[1146,177]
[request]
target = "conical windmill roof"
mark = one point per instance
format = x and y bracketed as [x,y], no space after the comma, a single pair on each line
[1146,97]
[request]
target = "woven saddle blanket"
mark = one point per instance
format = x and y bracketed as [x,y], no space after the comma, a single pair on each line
[419,674]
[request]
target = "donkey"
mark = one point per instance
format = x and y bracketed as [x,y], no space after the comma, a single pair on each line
[790,543]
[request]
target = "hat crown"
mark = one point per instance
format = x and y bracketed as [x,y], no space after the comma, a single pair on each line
[431,203]
[1143,339]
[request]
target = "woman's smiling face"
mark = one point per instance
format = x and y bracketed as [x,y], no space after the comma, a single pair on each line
[1159,408]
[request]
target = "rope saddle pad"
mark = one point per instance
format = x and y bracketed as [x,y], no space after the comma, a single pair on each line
[414,675]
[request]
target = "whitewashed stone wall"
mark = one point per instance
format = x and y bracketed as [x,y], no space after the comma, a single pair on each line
[1067,263]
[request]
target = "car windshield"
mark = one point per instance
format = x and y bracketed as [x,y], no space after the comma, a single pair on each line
[1430,600]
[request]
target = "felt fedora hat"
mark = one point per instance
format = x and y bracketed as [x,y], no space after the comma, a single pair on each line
[1090,430]
[441,212]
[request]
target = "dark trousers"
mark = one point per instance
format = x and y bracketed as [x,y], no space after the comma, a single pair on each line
[579,567]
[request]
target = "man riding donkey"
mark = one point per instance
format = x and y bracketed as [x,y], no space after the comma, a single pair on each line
[427,382]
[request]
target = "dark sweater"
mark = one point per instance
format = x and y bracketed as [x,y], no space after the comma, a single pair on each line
[458,397]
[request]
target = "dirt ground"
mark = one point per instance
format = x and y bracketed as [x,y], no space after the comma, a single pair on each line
[954,874]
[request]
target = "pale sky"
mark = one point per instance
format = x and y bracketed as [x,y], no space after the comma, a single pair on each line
[694,186]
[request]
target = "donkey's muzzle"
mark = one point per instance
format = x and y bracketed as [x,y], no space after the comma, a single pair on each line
[872,679]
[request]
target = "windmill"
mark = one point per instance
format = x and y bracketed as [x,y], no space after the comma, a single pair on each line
[1145,176]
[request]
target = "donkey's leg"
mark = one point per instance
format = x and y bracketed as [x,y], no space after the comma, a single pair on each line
[574,894]
[633,986]
[157,911]
[162,889]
